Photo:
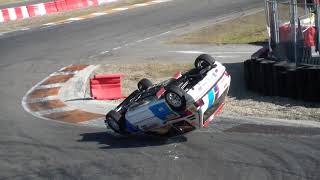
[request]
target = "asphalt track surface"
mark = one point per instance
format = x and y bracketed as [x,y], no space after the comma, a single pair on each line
[32,148]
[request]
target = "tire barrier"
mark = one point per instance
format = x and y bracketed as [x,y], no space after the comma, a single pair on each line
[272,78]
[16,13]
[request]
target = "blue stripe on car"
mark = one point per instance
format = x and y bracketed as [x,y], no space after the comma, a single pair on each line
[161,110]
[130,127]
[211,98]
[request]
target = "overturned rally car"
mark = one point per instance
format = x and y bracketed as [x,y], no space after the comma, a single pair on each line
[176,106]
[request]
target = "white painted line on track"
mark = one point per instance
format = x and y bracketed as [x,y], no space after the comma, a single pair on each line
[75,19]
[120,9]
[24,29]
[152,37]
[142,40]
[50,86]
[63,73]
[49,24]
[202,52]
[116,48]
[141,5]
[104,52]
[99,14]
[188,52]
[225,56]
[130,44]
[160,1]
[215,54]
[234,52]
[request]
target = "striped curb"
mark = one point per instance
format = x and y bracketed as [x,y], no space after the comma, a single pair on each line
[43,100]
[41,9]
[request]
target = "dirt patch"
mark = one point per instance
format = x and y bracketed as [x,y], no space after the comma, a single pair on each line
[46,105]
[57,79]
[41,93]
[77,67]
[239,102]
[242,30]
[5,2]
[74,116]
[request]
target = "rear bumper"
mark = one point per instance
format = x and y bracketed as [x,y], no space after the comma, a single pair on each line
[210,119]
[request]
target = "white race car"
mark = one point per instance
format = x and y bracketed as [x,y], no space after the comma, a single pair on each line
[176,106]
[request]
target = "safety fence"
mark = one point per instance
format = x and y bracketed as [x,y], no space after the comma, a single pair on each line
[293,29]
[40,9]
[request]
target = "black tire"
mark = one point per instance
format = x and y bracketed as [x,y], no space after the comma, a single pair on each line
[203,61]
[175,98]
[312,87]
[246,65]
[291,84]
[113,120]
[267,76]
[144,84]
[278,77]
[255,74]
[301,80]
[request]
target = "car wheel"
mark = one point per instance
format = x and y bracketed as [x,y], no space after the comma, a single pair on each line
[144,84]
[203,61]
[113,119]
[175,98]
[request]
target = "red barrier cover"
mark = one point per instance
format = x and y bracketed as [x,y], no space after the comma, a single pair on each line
[74,4]
[32,10]
[5,14]
[310,36]
[50,7]
[85,3]
[61,5]
[284,31]
[106,87]
[18,12]
[92,2]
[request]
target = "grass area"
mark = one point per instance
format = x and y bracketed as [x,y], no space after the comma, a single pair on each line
[37,21]
[3,2]
[239,102]
[242,30]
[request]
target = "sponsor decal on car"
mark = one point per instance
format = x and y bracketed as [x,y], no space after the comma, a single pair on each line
[211,96]
[162,111]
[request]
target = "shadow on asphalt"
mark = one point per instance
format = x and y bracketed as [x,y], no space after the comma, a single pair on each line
[239,91]
[113,141]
